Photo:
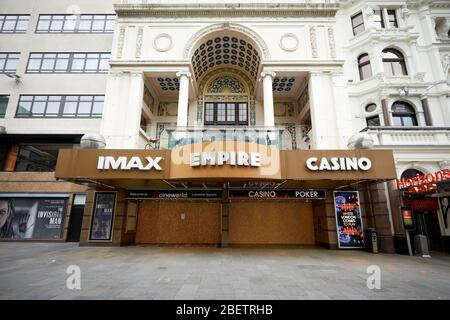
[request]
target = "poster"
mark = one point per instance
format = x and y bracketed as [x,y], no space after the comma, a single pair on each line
[348,219]
[103,215]
[32,218]
[407,217]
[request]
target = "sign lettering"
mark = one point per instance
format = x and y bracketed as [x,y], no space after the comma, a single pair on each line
[339,164]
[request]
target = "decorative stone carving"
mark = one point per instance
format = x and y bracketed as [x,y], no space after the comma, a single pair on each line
[120,42]
[163,42]
[419,76]
[140,36]
[331,41]
[288,42]
[226,84]
[313,41]
[230,26]
[444,164]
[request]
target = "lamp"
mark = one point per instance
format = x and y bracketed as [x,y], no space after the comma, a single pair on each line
[14,76]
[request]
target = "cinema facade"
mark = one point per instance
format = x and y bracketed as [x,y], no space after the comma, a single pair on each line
[304,123]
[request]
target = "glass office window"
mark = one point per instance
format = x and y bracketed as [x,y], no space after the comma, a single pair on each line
[14,23]
[39,157]
[9,62]
[60,106]
[103,23]
[68,63]
[3,105]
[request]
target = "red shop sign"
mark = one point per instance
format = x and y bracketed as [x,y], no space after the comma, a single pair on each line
[423,183]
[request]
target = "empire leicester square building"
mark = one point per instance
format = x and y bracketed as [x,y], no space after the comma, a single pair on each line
[226,123]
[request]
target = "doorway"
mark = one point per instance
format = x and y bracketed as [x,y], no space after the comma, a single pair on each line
[76,218]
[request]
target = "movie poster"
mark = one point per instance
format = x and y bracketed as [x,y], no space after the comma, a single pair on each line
[103,215]
[32,218]
[348,219]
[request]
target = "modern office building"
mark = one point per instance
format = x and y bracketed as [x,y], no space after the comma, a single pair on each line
[225,123]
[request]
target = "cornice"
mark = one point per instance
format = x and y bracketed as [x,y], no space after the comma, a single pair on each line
[228,10]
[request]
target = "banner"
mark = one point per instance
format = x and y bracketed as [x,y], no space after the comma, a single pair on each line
[174,194]
[274,194]
[102,218]
[32,218]
[348,219]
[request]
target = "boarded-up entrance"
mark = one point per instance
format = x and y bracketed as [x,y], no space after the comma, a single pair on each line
[274,222]
[178,222]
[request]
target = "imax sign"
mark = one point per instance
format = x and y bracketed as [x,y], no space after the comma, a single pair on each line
[125,163]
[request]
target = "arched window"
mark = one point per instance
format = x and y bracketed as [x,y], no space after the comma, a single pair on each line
[403,114]
[394,63]
[365,70]
[410,173]
[374,120]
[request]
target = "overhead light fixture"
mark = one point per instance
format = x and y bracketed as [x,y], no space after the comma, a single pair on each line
[14,76]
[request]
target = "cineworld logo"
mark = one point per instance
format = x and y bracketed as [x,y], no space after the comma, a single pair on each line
[252,159]
[123,163]
[338,164]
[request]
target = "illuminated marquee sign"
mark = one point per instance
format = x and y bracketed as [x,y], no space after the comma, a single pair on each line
[252,159]
[421,183]
[338,164]
[299,194]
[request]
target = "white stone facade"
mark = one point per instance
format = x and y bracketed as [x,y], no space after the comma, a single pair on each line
[309,41]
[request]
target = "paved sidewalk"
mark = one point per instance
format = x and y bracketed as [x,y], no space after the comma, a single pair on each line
[38,271]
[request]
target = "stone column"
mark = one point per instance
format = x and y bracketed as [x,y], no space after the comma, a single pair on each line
[124,92]
[269,116]
[426,112]
[386,113]
[323,115]
[183,99]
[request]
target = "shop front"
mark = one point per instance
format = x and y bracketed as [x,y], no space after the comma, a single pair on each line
[237,193]
[427,197]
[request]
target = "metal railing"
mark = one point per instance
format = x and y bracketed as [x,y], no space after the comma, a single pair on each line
[176,137]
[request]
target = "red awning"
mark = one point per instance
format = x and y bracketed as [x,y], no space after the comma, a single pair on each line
[422,204]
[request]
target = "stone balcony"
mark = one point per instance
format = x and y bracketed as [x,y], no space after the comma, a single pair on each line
[398,137]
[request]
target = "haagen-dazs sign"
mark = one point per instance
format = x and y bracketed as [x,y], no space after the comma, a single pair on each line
[339,164]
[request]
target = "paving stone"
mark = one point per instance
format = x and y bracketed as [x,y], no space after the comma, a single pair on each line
[38,271]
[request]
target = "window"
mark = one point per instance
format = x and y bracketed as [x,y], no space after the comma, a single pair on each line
[357,23]
[3,105]
[394,63]
[14,23]
[39,157]
[403,114]
[392,18]
[9,62]
[60,106]
[371,107]
[365,70]
[373,121]
[378,19]
[68,63]
[103,23]
[226,113]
